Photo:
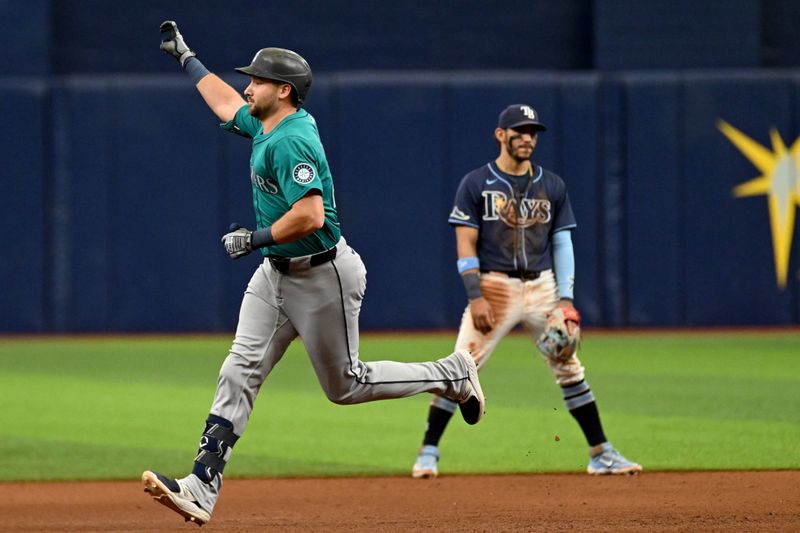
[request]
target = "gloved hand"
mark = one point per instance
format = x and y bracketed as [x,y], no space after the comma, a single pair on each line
[561,336]
[239,242]
[172,42]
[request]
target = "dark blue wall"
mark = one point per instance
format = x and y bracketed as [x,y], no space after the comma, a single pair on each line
[707,249]
[116,182]
[678,34]
[94,36]
[24,207]
[335,35]
[25,37]
[117,189]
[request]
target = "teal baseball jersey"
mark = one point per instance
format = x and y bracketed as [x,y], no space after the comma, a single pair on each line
[285,165]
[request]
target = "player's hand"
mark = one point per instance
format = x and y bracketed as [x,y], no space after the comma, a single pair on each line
[572,318]
[562,333]
[482,315]
[239,242]
[172,42]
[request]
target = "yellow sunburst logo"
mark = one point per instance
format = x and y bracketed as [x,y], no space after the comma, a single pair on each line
[779,181]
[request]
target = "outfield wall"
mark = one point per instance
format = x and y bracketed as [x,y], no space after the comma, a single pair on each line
[116,189]
[61,37]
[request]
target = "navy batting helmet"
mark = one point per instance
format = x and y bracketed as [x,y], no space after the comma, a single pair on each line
[283,65]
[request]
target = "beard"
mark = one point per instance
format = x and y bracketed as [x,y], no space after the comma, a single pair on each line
[262,110]
[515,152]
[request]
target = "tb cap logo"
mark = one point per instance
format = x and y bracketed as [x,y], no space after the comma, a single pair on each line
[528,112]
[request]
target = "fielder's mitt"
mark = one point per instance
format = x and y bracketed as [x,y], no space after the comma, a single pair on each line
[561,335]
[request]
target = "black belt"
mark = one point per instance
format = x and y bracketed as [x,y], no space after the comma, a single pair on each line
[283,264]
[525,275]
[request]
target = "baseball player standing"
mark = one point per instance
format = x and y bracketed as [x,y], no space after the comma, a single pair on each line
[513,222]
[310,284]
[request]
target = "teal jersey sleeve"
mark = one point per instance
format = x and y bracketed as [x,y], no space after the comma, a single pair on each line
[296,166]
[243,124]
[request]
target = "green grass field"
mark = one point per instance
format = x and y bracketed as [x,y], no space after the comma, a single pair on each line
[109,407]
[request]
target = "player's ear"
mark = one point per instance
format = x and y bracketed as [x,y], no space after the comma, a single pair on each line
[499,135]
[285,91]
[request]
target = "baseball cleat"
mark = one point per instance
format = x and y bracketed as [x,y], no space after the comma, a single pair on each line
[427,463]
[610,461]
[474,406]
[173,494]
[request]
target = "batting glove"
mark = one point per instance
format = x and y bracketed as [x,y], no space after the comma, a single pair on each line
[239,242]
[172,42]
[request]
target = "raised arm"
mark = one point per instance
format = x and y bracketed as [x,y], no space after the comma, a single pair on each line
[221,98]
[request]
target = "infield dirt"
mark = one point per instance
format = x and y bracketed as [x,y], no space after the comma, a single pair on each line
[670,502]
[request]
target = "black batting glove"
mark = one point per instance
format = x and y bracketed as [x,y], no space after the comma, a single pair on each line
[239,242]
[172,42]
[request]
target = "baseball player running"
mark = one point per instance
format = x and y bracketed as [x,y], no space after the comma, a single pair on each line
[513,222]
[310,284]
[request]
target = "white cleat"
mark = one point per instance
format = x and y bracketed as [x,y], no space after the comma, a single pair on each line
[173,494]
[610,461]
[473,406]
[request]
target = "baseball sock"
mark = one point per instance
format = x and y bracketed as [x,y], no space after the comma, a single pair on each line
[438,416]
[216,446]
[580,402]
[437,422]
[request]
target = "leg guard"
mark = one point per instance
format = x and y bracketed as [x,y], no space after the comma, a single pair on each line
[215,447]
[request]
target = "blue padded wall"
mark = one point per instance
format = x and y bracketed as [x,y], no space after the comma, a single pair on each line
[654,222]
[389,189]
[25,179]
[780,45]
[338,35]
[118,171]
[670,34]
[139,207]
[696,255]
[43,36]
[25,38]
[579,125]
[128,184]
[730,277]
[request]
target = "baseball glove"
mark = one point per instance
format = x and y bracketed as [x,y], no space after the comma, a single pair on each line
[561,335]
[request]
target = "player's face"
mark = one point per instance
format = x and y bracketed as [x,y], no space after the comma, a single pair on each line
[263,96]
[519,142]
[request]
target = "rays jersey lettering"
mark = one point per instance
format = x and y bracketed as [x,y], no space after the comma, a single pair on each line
[497,206]
[266,185]
[515,226]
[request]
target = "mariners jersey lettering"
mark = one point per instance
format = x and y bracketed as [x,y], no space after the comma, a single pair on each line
[515,217]
[285,165]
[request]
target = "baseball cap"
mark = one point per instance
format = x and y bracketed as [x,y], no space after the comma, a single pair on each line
[519,115]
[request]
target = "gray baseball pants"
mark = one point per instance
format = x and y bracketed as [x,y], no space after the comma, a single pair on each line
[320,304]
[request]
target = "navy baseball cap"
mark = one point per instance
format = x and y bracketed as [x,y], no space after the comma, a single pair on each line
[519,115]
